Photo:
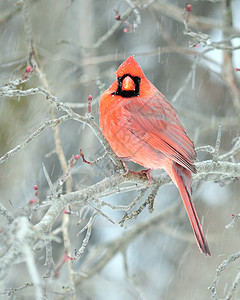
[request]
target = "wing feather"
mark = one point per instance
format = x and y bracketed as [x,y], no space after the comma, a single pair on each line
[155,123]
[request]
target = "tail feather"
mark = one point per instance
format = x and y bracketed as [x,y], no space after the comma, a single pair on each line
[183,180]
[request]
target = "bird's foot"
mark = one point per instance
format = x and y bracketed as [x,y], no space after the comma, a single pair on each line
[146,173]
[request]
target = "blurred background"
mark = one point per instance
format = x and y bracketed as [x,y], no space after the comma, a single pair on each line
[186,51]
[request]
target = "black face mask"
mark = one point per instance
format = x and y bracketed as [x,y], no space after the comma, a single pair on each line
[131,93]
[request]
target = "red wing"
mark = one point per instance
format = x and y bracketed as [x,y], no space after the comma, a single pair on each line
[155,122]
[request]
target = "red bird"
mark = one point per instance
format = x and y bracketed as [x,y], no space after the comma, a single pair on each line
[141,126]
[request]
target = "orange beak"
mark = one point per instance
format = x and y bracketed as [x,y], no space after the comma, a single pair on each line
[128,84]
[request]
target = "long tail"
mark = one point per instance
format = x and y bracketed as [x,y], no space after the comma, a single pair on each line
[183,180]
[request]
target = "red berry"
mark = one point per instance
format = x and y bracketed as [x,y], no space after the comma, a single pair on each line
[28,69]
[189,7]
[77,157]
[66,257]
[35,187]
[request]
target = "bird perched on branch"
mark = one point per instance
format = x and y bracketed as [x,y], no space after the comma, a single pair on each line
[141,126]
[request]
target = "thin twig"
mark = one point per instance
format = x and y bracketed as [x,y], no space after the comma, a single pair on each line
[49,181]
[13,291]
[149,201]
[209,149]
[79,253]
[233,287]
[100,212]
[230,259]
[234,219]
[45,125]
[218,141]
[235,150]
[49,263]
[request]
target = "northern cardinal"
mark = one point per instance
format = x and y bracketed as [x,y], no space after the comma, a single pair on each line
[141,126]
